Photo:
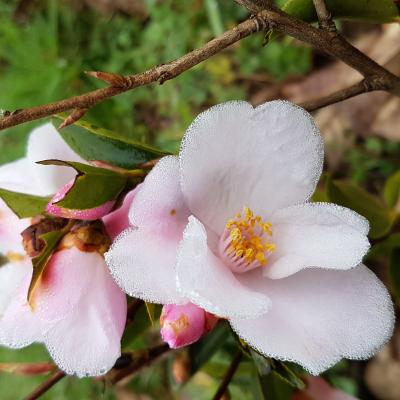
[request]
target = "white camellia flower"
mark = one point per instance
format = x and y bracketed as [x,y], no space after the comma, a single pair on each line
[229,227]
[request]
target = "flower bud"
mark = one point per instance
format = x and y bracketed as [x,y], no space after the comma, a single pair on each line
[182,325]
[88,214]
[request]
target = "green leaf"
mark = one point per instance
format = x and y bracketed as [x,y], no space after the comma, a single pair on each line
[394,272]
[202,351]
[384,247]
[94,143]
[352,196]
[24,205]
[391,191]
[375,11]
[51,240]
[286,373]
[92,187]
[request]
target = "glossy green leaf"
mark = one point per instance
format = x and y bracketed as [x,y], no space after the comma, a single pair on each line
[375,11]
[384,247]
[201,351]
[391,190]
[24,205]
[394,272]
[94,143]
[352,196]
[93,186]
[287,374]
[51,240]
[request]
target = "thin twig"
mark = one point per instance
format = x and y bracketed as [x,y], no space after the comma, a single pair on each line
[46,385]
[228,376]
[160,73]
[267,16]
[324,16]
[365,86]
[136,361]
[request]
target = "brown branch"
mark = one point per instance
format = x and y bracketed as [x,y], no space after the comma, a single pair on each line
[324,16]
[365,86]
[329,42]
[160,73]
[135,361]
[46,385]
[228,376]
[133,309]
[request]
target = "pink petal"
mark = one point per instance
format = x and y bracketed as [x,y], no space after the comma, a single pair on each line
[320,316]
[182,325]
[89,214]
[118,220]
[142,259]
[208,283]
[64,282]
[94,327]
[316,235]
[234,155]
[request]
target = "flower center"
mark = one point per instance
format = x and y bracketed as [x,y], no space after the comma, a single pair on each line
[246,242]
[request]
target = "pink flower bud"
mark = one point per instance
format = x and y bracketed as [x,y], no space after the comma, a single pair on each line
[182,325]
[88,214]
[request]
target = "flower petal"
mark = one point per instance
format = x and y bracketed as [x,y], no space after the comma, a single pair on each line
[65,280]
[10,231]
[45,143]
[118,220]
[94,328]
[319,316]
[18,176]
[159,205]
[234,155]
[142,264]
[316,235]
[208,283]
[142,259]
[19,326]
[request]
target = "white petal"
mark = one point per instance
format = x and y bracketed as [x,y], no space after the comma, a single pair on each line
[87,341]
[142,260]
[10,231]
[234,155]
[142,264]
[18,176]
[46,143]
[208,283]
[316,235]
[318,317]
[19,326]
[159,205]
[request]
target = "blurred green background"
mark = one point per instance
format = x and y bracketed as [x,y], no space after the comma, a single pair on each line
[45,47]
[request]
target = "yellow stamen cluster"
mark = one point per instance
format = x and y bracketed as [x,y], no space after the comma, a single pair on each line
[248,235]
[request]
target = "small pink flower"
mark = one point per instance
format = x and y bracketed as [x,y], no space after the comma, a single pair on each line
[88,215]
[182,325]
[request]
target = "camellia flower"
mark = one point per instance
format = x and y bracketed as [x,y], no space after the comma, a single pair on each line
[184,324]
[228,226]
[76,308]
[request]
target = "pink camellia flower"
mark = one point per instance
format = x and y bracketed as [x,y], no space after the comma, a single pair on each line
[76,310]
[228,226]
[90,214]
[184,324]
